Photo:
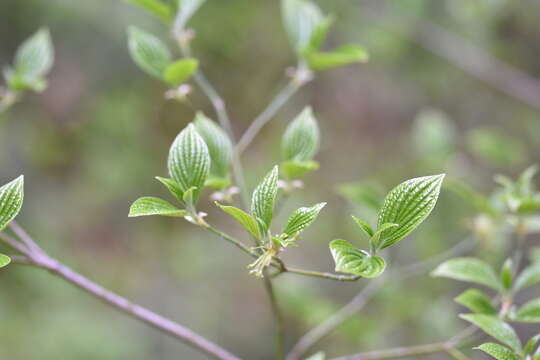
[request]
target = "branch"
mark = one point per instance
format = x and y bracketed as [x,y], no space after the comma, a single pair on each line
[37,257]
[278,316]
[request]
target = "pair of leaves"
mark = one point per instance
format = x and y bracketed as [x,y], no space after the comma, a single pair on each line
[307,28]
[154,58]
[299,145]
[11,200]
[351,260]
[33,60]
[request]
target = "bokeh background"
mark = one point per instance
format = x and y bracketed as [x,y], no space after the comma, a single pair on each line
[428,101]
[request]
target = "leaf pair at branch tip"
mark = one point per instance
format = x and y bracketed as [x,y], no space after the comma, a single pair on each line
[351,260]
[263,199]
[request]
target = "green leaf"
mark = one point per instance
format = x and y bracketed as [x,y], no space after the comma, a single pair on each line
[351,260]
[155,7]
[496,328]
[219,145]
[149,205]
[301,18]
[189,161]
[297,169]
[341,56]
[301,219]
[33,59]
[148,52]
[363,193]
[498,352]
[263,198]
[529,347]
[529,312]
[528,277]
[366,228]
[408,204]
[172,186]
[4,260]
[317,356]
[246,220]
[375,239]
[301,139]
[11,200]
[179,71]
[506,274]
[476,301]
[186,9]
[469,270]
[319,35]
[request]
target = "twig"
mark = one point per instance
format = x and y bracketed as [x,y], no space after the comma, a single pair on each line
[278,316]
[324,275]
[399,352]
[307,341]
[16,245]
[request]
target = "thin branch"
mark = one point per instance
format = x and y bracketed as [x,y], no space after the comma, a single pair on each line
[312,337]
[399,352]
[278,316]
[23,235]
[319,274]
[13,243]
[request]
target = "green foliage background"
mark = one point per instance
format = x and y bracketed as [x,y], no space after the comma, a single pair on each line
[93,141]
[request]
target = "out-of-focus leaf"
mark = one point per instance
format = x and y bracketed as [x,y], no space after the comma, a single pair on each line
[363,193]
[186,9]
[434,135]
[351,260]
[476,301]
[154,206]
[529,347]
[301,18]
[301,139]
[11,200]
[343,55]
[470,195]
[264,197]
[179,71]
[246,220]
[4,260]
[301,219]
[148,52]
[496,328]
[496,148]
[529,312]
[317,356]
[297,169]
[189,161]
[408,204]
[528,277]
[507,274]
[469,270]
[155,7]
[219,145]
[498,352]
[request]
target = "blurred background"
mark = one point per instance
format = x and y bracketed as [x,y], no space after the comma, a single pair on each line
[452,85]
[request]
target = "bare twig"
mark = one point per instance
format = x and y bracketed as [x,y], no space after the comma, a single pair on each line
[278,316]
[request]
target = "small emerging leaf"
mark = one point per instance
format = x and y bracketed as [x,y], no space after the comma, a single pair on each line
[351,260]
[154,206]
[263,198]
[301,219]
[344,55]
[301,139]
[179,71]
[476,301]
[496,328]
[4,260]
[506,274]
[408,204]
[297,169]
[498,352]
[528,277]
[366,228]
[172,186]
[148,52]
[189,160]
[469,270]
[377,235]
[246,220]
[155,7]
[11,200]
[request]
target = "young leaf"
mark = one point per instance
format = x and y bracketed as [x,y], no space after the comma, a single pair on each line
[11,200]
[528,277]
[377,235]
[186,9]
[317,356]
[263,198]
[4,260]
[476,301]
[149,205]
[246,220]
[469,270]
[496,328]
[301,18]
[506,274]
[155,7]
[172,186]
[301,219]
[179,71]
[148,52]
[219,145]
[296,169]
[530,312]
[189,160]
[343,55]
[498,352]
[301,139]
[529,347]
[351,260]
[408,204]
[366,228]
